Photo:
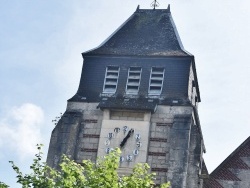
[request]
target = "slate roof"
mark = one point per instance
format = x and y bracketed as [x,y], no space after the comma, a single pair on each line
[175,84]
[146,33]
[147,39]
[233,161]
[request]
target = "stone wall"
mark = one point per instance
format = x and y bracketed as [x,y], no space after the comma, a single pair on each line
[64,137]
[89,134]
[174,145]
[195,158]
[170,145]
[126,115]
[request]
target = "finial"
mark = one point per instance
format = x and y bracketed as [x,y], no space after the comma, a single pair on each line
[168,7]
[138,7]
[155,4]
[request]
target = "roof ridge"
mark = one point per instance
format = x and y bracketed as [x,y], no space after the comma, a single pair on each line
[146,32]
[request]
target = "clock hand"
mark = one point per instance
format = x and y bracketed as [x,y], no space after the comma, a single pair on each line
[126,138]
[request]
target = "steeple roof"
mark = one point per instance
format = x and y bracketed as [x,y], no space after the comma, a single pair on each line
[146,33]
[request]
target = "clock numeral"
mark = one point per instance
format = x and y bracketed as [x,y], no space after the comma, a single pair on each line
[136,152]
[138,144]
[137,136]
[125,129]
[121,159]
[108,150]
[117,130]
[129,158]
[107,142]
[110,135]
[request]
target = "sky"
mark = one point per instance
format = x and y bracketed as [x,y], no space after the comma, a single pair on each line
[40,57]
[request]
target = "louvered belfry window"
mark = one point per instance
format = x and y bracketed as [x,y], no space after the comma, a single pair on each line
[111,79]
[133,81]
[156,80]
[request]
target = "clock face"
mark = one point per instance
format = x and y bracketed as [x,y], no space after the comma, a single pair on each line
[126,135]
[130,136]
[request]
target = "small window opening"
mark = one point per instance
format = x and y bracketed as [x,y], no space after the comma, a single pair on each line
[156,80]
[134,78]
[111,79]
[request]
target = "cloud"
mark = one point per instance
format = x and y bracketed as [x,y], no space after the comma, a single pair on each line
[20,130]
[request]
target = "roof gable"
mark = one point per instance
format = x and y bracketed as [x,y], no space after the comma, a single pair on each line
[145,33]
[234,162]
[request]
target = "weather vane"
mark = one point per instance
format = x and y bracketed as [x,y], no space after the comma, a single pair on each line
[155,4]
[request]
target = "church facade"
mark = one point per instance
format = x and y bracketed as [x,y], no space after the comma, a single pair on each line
[138,91]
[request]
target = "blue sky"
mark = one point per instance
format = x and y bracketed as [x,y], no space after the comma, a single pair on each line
[40,53]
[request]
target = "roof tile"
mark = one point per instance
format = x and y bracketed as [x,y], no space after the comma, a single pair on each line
[145,33]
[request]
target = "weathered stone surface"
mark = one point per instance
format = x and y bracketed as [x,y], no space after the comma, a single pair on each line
[172,143]
[64,138]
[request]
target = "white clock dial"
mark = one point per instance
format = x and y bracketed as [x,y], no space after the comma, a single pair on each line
[122,159]
[108,150]
[107,142]
[129,158]
[136,152]
[137,136]
[131,135]
[128,136]
[138,144]
[117,130]
[125,129]
[110,135]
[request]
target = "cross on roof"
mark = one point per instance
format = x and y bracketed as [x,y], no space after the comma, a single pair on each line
[155,4]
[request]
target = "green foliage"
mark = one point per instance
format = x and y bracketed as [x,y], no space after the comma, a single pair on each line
[3,185]
[103,174]
[39,177]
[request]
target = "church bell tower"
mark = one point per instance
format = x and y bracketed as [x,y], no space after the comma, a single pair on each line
[138,91]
